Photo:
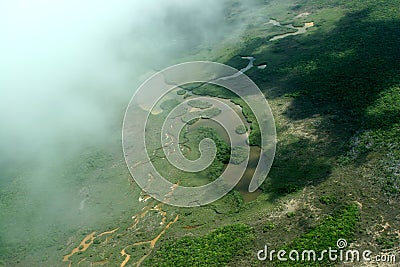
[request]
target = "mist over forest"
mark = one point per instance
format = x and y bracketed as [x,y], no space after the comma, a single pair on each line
[69,68]
[68,71]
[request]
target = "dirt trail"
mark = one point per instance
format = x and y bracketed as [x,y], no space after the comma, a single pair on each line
[84,245]
[152,243]
[127,258]
[108,232]
[137,218]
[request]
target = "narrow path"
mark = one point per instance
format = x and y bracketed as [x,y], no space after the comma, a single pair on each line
[137,218]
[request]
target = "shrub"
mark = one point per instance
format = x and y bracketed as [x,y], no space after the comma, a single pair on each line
[340,225]
[327,200]
[214,249]
[199,104]
[268,226]
[181,92]
[241,129]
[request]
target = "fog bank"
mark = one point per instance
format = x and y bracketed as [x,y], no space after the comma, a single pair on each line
[68,69]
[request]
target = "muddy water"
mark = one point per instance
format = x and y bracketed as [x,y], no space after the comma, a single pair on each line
[299,30]
[244,182]
[243,185]
[216,126]
[141,217]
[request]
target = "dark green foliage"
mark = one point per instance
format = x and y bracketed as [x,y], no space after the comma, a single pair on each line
[213,90]
[255,134]
[199,104]
[386,110]
[238,198]
[291,214]
[327,200]
[241,129]
[193,121]
[288,189]
[210,113]
[216,91]
[214,249]
[223,150]
[181,92]
[268,227]
[294,94]
[169,104]
[340,225]
[391,184]
[335,70]
[388,241]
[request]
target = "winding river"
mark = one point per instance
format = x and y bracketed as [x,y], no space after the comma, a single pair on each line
[299,30]
[144,216]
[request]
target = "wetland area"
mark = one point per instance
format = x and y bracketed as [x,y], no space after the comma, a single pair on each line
[328,70]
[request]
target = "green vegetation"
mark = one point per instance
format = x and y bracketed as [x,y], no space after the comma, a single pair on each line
[241,129]
[239,154]
[210,90]
[238,199]
[341,225]
[210,113]
[388,241]
[334,92]
[335,95]
[203,114]
[291,214]
[268,227]
[217,91]
[328,200]
[190,144]
[169,104]
[287,189]
[199,104]
[214,249]
[192,121]
[223,150]
[181,92]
